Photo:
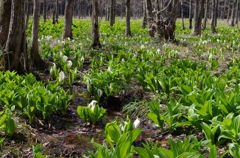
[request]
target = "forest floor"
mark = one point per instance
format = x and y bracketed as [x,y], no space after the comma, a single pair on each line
[69,136]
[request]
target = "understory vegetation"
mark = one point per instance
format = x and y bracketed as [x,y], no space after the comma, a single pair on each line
[177,99]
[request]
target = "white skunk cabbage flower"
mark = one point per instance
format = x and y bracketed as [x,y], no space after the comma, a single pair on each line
[65,58]
[142,46]
[155,156]
[99,92]
[61,76]
[60,54]
[136,123]
[158,50]
[69,64]
[53,68]
[92,105]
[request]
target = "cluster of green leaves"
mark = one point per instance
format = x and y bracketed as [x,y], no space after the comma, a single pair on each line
[120,137]
[30,97]
[93,113]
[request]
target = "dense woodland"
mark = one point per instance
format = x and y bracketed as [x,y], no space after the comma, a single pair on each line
[120,78]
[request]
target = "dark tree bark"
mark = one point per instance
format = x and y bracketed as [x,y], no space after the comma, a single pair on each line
[144,17]
[5,14]
[237,12]
[67,31]
[128,16]
[233,12]
[150,19]
[190,13]
[182,15]
[112,12]
[16,58]
[216,10]
[54,16]
[44,10]
[57,10]
[206,14]
[229,11]
[198,14]
[35,57]
[95,31]
[28,13]
[214,15]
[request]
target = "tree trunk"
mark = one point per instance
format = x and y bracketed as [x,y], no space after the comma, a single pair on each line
[28,13]
[144,17]
[182,15]
[214,16]
[112,13]
[199,8]
[190,13]
[237,12]
[224,9]
[150,18]
[233,12]
[229,11]
[216,10]
[5,14]
[57,10]
[16,57]
[206,14]
[95,30]
[67,31]
[44,10]
[35,57]
[128,16]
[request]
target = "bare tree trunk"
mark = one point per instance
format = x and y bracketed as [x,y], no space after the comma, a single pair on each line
[237,12]
[5,14]
[57,10]
[67,31]
[206,15]
[54,16]
[28,13]
[233,12]
[182,15]
[216,10]
[224,9]
[16,42]
[214,16]
[95,31]
[112,13]
[44,10]
[144,17]
[199,7]
[190,13]
[128,16]
[150,18]
[229,11]
[35,57]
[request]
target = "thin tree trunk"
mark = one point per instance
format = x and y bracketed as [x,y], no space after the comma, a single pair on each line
[144,17]
[128,16]
[199,8]
[182,15]
[67,31]
[224,9]
[35,57]
[229,11]
[237,12]
[216,10]
[57,10]
[214,16]
[190,13]
[95,31]
[233,12]
[15,45]
[5,14]
[112,13]
[206,14]
[44,10]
